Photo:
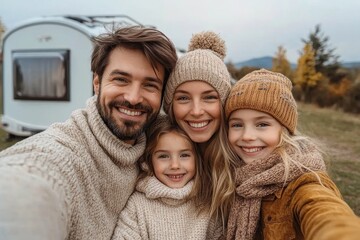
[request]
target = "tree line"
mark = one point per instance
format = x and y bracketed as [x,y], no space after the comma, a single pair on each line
[318,78]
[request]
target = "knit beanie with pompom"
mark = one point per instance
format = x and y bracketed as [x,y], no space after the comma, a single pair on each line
[204,61]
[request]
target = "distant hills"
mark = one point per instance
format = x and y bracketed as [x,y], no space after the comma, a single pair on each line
[266,62]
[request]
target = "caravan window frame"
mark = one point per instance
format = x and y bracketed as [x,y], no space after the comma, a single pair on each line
[31,55]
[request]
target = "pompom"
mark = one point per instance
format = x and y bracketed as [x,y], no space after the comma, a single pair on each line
[208,40]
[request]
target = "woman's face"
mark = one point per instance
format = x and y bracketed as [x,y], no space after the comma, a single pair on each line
[196,108]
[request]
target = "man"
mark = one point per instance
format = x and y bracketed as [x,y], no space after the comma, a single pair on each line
[72,180]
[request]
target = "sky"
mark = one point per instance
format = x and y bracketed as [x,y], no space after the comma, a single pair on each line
[251,28]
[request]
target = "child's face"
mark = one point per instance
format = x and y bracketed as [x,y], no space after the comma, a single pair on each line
[173,160]
[253,134]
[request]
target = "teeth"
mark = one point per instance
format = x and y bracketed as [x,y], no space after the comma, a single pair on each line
[198,125]
[130,113]
[176,176]
[251,150]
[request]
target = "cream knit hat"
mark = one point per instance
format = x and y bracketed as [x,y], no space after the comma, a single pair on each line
[204,61]
[265,91]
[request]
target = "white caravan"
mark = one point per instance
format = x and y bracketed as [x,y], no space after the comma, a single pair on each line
[46,69]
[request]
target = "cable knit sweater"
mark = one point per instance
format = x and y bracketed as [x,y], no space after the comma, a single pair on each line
[68,182]
[156,211]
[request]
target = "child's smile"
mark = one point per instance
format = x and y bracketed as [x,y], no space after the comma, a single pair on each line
[253,134]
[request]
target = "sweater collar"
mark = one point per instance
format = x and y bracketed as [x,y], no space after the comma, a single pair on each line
[154,189]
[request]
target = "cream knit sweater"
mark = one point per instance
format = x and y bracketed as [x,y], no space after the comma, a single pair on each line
[68,182]
[157,212]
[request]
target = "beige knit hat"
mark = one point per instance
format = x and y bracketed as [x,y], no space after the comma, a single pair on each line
[204,61]
[265,91]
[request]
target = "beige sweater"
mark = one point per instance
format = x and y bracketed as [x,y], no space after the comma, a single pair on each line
[68,182]
[157,212]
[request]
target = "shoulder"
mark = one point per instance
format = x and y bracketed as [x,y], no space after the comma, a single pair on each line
[312,181]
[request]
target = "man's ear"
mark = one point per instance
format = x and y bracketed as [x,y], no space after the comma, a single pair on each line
[96,84]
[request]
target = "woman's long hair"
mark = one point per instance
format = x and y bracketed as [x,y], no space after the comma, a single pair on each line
[216,190]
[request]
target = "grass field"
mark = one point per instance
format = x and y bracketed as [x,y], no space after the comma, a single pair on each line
[340,133]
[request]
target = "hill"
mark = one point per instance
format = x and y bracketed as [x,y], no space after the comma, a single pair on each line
[266,62]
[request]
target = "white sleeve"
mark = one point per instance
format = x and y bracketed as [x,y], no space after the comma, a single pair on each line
[29,207]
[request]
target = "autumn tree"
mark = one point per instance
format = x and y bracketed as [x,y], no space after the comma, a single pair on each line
[306,76]
[281,64]
[326,61]
[2,30]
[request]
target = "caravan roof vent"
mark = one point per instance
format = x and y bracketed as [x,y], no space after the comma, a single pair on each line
[100,20]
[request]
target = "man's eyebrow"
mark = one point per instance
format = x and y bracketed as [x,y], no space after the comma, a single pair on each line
[123,73]
[119,72]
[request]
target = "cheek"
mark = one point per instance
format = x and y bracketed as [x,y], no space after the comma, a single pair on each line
[154,100]
[179,111]
[232,138]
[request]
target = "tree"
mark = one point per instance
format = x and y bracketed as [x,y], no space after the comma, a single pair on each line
[281,64]
[2,30]
[306,76]
[326,62]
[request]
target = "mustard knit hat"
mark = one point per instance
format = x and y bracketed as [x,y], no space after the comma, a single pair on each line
[265,91]
[204,61]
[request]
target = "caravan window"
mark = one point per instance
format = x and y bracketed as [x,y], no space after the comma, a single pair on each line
[41,75]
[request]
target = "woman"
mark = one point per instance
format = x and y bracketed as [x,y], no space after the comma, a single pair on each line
[194,99]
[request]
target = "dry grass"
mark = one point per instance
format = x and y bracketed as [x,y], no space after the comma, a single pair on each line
[340,134]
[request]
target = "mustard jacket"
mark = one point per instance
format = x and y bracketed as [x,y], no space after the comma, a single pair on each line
[305,209]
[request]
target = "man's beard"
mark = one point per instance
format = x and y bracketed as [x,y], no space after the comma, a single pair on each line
[129,130]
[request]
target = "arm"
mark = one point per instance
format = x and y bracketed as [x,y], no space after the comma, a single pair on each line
[127,226]
[321,212]
[29,207]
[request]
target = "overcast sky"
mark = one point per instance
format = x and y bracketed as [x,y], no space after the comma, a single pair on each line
[252,28]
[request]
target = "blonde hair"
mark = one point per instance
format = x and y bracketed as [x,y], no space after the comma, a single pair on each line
[217,170]
[295,143]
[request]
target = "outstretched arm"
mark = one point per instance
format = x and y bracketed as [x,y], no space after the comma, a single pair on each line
[29,207]
[322,213]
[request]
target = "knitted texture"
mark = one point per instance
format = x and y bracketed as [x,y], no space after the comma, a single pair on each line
[203,62]
[267,92]
[262,178]
[156,211]
[88,170]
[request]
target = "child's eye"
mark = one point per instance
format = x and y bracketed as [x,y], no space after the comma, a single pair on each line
[236,125]
[163,156]
[185,155]
[263,125]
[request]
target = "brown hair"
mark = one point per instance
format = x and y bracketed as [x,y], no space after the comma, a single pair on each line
[145,162]
[157,48]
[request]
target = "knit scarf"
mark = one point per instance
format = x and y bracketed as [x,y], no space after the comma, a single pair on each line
[262,178]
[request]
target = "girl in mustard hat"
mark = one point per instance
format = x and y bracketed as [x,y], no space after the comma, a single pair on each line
[282,188]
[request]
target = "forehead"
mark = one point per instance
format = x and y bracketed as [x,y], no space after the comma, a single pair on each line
[171,139]
[133,62]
